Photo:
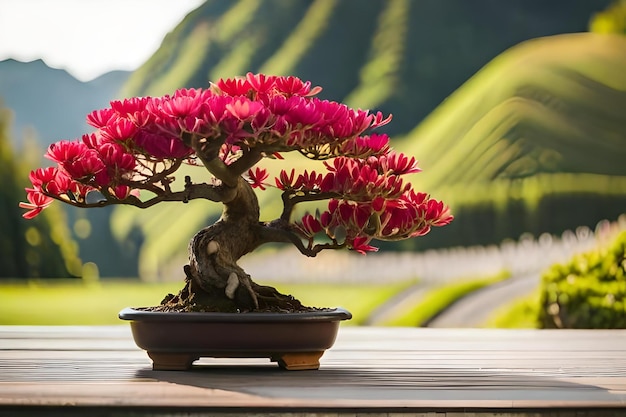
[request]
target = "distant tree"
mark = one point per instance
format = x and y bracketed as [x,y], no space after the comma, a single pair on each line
[40,249]
[610,20]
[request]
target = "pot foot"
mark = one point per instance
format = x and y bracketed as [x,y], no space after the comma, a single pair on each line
[171,361]
[299,361]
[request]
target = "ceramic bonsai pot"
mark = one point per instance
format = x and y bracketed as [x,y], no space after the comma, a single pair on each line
[296,341]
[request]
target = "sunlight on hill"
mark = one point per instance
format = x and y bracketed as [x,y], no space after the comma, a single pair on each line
[544,104]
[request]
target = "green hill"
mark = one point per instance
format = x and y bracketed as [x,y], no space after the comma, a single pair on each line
[50,101]
[402,57]
[533,142]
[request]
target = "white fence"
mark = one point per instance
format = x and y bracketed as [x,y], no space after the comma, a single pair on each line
[527,255]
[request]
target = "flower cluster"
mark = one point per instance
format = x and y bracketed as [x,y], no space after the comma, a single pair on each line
[137,140]
[138,143]
[368,199]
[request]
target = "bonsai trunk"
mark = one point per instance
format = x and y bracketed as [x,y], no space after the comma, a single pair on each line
[214,281]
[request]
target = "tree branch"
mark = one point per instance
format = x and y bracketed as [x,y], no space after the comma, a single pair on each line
[280,232]
[191,192]
[291,198]
[208,152]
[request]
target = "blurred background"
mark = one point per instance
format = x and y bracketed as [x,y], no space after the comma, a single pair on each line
[515,110]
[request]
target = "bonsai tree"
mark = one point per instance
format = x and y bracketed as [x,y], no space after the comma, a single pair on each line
[140,143]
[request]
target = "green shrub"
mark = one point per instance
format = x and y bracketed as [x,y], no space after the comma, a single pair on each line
[588,292]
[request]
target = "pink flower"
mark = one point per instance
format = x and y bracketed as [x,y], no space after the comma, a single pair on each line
[162,146]
[309,226]
[130,107]
[234,86]
[50,180]
[65,150]
[309,181]
[256,177]
[302,112]
[437,213]
[398,164]
[76,159]
[214,109]
[182,106]
[42,176]
[122,191]
[37,202]
[116,159]
[94,140]
[100,118]
[364,146]
[119,129]
[360,244]
[244,108]
[86,167]
[285,181]
[294,86]
[261,83]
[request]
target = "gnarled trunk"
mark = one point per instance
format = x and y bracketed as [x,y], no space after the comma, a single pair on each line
[214,281]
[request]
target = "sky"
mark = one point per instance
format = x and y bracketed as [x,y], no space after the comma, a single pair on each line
[87,37]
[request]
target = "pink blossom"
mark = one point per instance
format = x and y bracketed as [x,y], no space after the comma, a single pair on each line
[256,177]
[162,146]
[364,146]
[398,163]
[116,159]
[65,150]
[181,106]
[302,112]
[285,181]
[37,202]
[360,245]
[122,191]
[261,83]
[234,86]
[86,167]
[100,118]
[94,140]
[309,226]
[130,107]
[294,86]
[243,108]
[119,129]
[50,180]
[309,181]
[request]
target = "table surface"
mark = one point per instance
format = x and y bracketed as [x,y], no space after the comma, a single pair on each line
[414,370]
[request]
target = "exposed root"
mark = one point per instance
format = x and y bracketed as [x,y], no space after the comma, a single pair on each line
[193,298]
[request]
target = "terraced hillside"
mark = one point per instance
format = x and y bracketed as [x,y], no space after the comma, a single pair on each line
[399,56]
[533,142]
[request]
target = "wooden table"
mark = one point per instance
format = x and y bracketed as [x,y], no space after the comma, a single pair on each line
[97,371]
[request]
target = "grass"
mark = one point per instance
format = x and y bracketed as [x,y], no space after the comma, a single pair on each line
[359,299]
[438,298]
[522,313]
[79,303]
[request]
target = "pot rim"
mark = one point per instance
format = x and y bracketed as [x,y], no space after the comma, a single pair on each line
[331,314]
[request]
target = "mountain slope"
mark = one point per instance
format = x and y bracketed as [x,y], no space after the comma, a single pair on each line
[51,101]
[48,105]
[401,56]
[533,142]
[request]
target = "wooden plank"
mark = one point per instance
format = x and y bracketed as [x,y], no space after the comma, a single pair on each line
[373,370]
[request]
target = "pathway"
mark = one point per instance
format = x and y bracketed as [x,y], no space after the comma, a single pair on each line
[475,309]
